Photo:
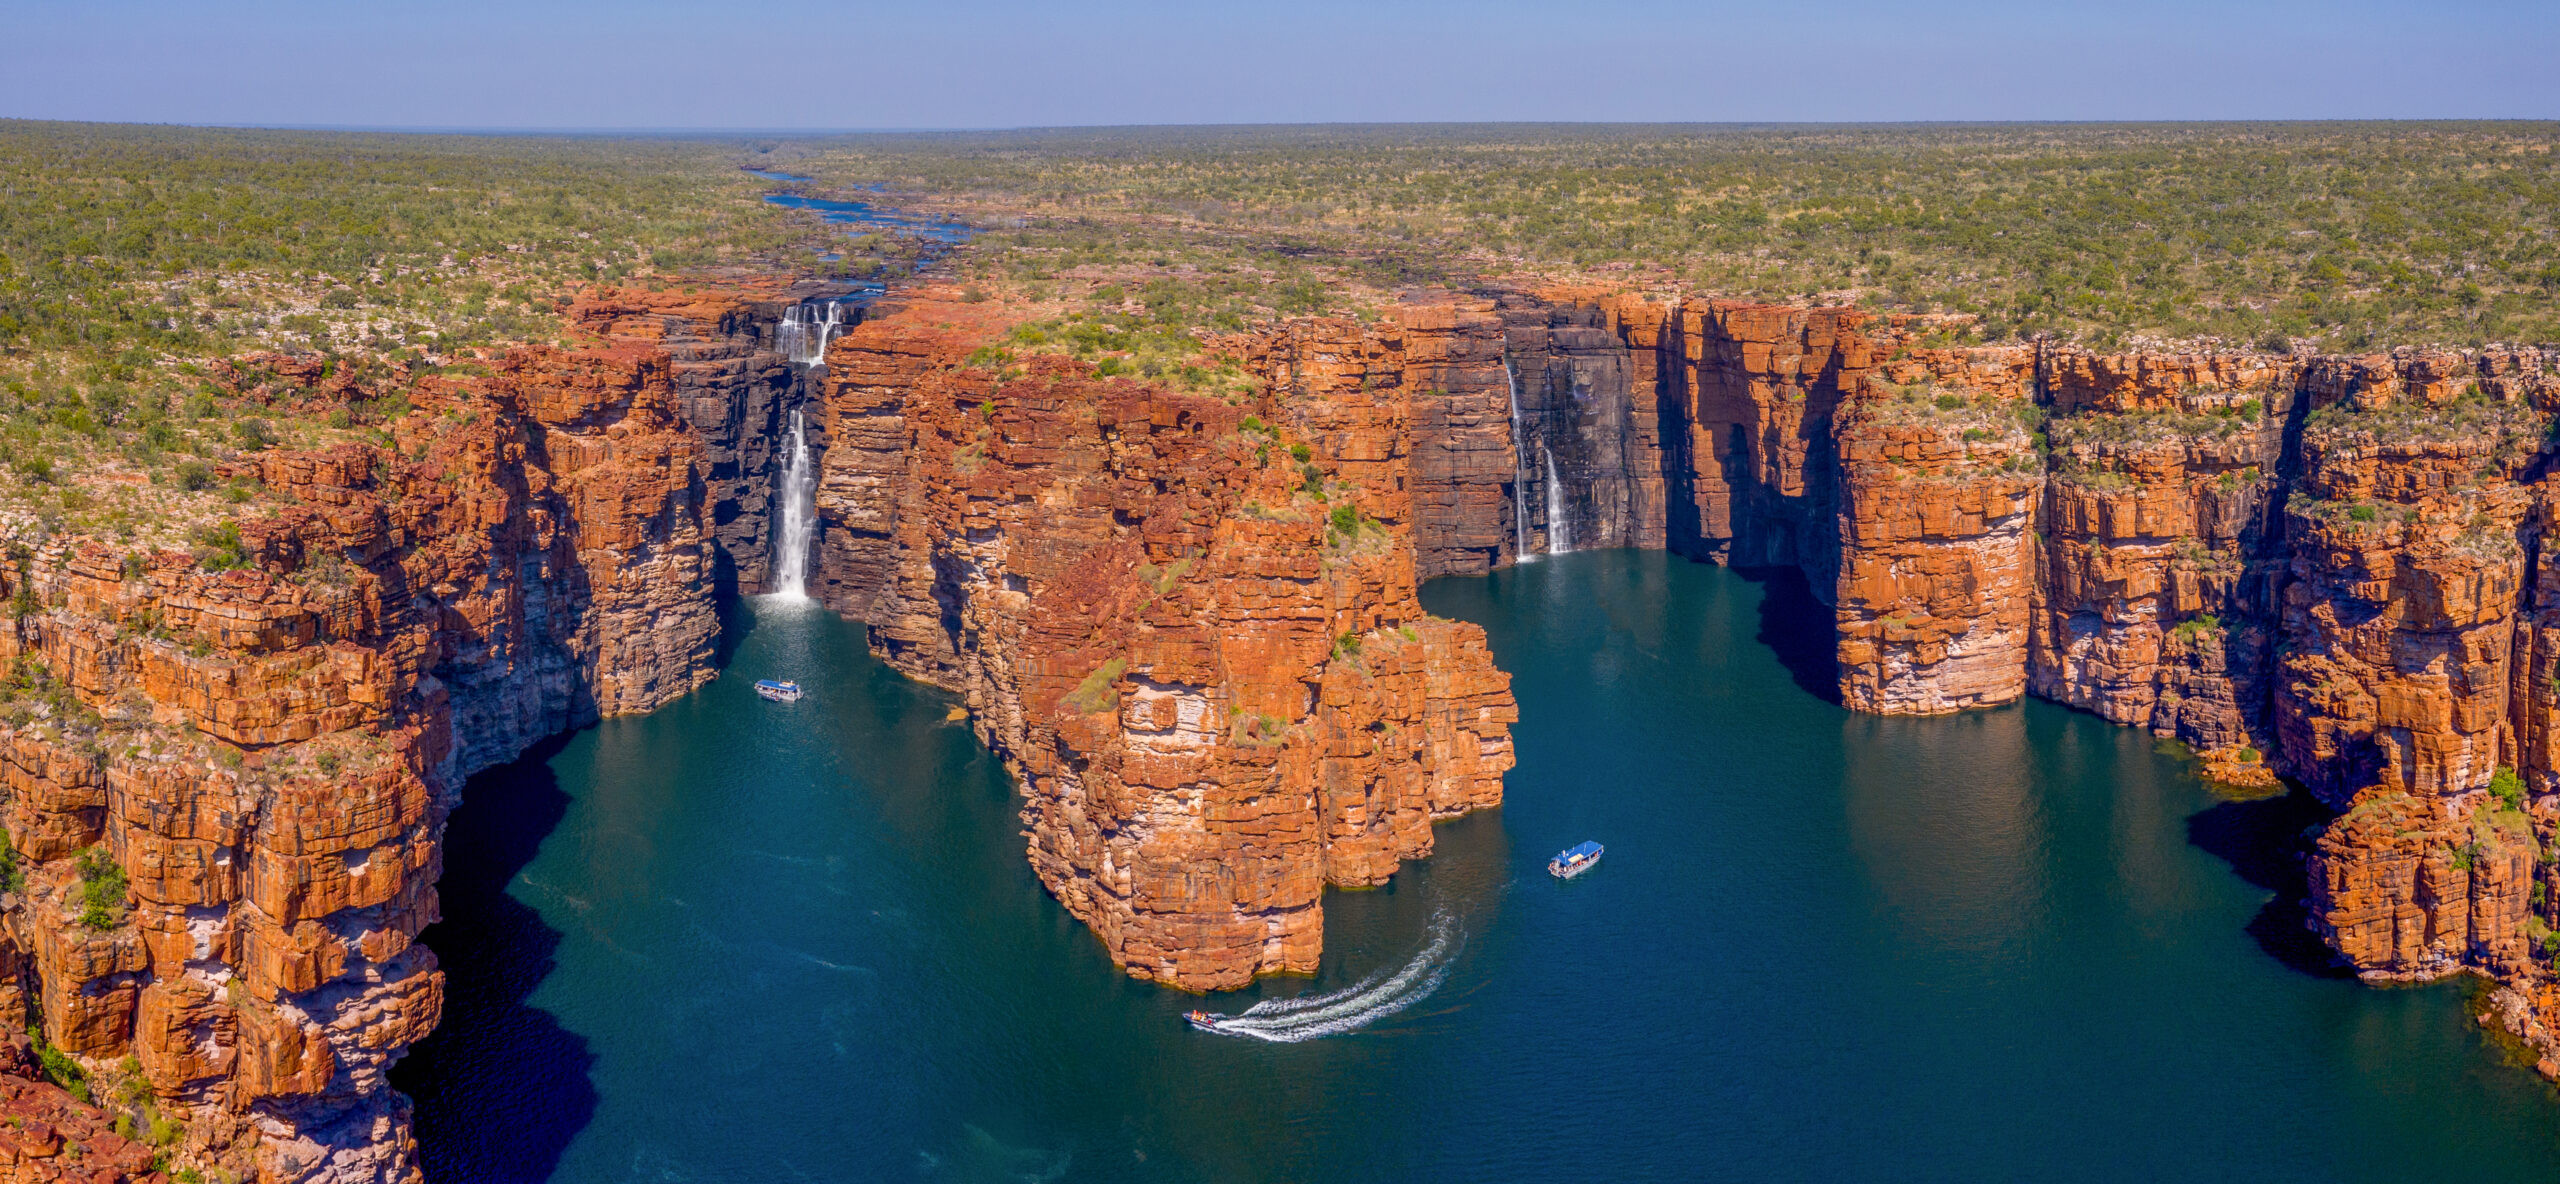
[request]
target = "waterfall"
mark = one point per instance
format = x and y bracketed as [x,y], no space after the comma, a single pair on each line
[804,332]
[792,335]
[799,518]
[1559,531]
[1519,467]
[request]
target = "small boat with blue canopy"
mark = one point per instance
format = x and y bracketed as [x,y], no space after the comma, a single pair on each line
[779,692]
[1574,860]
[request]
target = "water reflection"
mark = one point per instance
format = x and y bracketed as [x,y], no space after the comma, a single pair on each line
[802,942]
[1947,819]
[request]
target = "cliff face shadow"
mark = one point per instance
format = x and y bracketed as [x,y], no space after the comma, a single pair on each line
[1799,629]
[2264,841]
[500,1087]
[735,624]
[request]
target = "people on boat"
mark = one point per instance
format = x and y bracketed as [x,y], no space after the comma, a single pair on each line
[1574,859]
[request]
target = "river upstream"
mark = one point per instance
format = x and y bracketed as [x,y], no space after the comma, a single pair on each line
[736,940]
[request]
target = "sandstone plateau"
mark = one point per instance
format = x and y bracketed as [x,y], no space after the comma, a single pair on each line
[1190,630]
[1189,626]
[1192,635]
[268,753]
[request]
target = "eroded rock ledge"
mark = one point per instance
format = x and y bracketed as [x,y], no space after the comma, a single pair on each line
[1191,630]
[2330,568]
[1190,626]
[268,753]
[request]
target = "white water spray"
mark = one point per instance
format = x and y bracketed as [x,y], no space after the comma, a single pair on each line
[805,330]
[1559,531]
[798,519]
[1309,1017]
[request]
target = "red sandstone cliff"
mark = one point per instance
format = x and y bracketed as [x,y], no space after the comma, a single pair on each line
[1201,655]
[2329,568]
[269,753]
[1938,483]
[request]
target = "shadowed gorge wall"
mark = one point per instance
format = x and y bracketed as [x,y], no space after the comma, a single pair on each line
[2328,568]
[1188,623]
[2319,567]
[268,753]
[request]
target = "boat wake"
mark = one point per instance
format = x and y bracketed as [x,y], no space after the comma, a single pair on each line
[1331,1013]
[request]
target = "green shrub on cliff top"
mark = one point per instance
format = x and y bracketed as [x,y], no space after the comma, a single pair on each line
[2195,628]
[58,1066]
[1095,693]
[102,889]
[2341,236]
[2507,788]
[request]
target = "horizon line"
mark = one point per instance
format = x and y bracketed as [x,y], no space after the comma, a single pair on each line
[662,131]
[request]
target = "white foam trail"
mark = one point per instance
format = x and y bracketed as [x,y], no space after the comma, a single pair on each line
[1310,1017]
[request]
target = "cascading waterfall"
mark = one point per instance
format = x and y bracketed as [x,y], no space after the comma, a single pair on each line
[799,518]
[1559,531]
[1519,466]
[802,338]
[804,332]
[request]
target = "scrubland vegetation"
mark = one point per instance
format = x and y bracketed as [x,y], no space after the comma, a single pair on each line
[134,259]
[2321,236]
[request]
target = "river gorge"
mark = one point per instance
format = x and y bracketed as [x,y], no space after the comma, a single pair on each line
[2020,943]
[1121,692]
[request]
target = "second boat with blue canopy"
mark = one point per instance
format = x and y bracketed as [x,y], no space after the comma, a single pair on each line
[1574,860]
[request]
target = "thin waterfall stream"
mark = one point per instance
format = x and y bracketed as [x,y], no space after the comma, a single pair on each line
[801,337]
[733,939]
[1519,466]
[1559,531]
[798,520]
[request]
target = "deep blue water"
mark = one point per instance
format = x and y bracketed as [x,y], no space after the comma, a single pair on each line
[741,941]
[867,218]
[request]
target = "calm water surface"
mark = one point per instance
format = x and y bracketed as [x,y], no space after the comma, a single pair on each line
[741,941]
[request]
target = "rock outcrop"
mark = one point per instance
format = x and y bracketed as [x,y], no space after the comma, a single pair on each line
[50,1136]
[2328,568]
[1586,374]
[1192,630]
[227,773]
[736,387]
[1189,627]
[1938,483]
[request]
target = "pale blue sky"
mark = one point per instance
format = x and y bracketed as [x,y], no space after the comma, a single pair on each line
[1006,63]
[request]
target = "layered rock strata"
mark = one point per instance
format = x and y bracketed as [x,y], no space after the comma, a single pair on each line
[2332,568]
[226,773]
[1584,374]
[1938,482]
[737,387]
[1189,627]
